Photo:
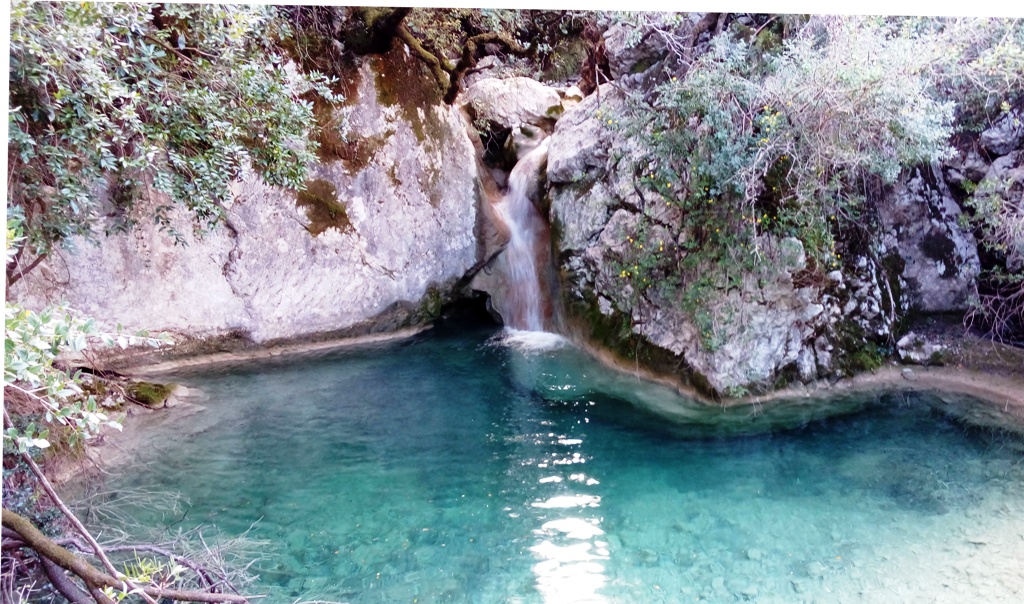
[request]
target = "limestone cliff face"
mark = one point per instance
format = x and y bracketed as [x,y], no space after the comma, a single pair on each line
[386,225]
[774,327]
[595,206]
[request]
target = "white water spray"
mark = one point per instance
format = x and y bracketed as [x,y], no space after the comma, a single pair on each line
[525,303]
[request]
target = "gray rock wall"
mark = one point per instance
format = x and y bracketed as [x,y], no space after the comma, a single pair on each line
[776,326]
[761,328]
[404,219]
[919,219]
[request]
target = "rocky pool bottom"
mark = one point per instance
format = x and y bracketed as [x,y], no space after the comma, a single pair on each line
[479,466]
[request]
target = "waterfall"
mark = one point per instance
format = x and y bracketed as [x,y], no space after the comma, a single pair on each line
[528,240]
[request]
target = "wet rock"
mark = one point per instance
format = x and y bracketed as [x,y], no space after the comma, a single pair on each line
[523,140]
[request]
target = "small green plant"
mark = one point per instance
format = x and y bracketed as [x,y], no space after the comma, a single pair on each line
[33,344]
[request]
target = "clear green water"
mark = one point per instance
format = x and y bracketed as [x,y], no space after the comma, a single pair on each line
[453,468]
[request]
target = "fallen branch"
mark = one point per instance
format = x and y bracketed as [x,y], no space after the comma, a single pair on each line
[95,579]
[75,522]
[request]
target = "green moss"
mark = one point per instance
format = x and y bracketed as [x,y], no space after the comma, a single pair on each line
[150,394]
[854,352]
[939,357]
[406,82]
[324,211]
[865,359]
[642,65]
[566,59]
[789,374]
[614,333]
[433,301]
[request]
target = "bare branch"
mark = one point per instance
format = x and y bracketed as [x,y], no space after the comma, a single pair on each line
[96,579]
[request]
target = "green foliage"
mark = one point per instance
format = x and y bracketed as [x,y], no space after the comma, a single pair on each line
[854,352]
[977,63]
[171,98]
[999,215]
[21,495]
[750,147]
[33,344]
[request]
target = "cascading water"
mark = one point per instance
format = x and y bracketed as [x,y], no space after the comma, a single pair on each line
[528,234]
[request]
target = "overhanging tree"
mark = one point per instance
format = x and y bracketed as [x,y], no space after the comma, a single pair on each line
[123,100]
[111,103]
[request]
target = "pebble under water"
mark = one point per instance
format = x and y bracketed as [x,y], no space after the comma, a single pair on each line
[453,467]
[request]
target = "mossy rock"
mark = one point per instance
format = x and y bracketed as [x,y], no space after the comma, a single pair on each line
[405,82]
[433,301]
[566,60]
[615,334]
[856,352]
[150,394]
[332,141]
[323,209]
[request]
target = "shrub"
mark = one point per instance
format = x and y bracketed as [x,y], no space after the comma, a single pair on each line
[173,98]
[745,144]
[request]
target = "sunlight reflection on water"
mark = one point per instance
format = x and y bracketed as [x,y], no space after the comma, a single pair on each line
[473,469]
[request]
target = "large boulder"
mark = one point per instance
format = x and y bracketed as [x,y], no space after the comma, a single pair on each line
[582,141]
[921,221]
[513,102]
[386,223]
[632,49]
[750,335]
[1005,135]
